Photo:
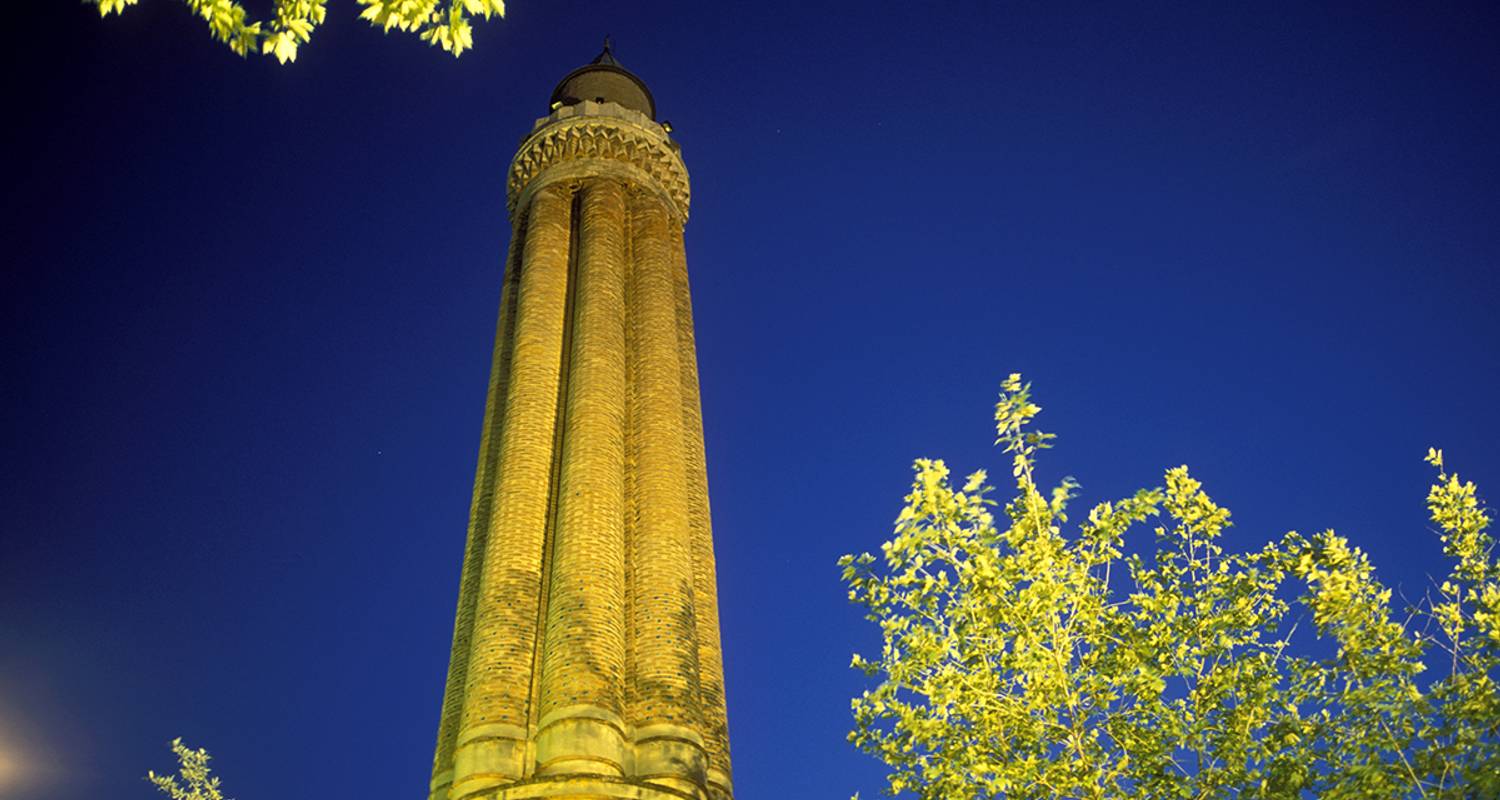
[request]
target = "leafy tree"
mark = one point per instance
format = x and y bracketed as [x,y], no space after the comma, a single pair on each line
[192,781]
[1019,661]
[444,24]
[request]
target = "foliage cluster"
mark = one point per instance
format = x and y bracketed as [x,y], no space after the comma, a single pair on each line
[444,23]
[193,781]
[1022,662]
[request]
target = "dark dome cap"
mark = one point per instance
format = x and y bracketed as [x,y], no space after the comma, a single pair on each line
[603,80]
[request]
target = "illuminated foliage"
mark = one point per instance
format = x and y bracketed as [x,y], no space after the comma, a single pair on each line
[192,781]
[444,23]
[1023,661]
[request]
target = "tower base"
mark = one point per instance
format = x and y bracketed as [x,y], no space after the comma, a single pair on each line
[585,787]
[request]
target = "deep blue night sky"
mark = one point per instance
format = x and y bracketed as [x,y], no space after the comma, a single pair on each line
[248,311]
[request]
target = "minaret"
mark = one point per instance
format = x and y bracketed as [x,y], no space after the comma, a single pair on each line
[586,660]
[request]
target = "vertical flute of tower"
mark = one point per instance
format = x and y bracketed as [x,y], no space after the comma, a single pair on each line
[662,685]
[705,581]
[479,519]
[582,685]
[494,723]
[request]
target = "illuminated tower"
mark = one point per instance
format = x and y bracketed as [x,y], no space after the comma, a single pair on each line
[586,659]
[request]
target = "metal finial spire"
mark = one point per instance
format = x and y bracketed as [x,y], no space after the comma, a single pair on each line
[607,56]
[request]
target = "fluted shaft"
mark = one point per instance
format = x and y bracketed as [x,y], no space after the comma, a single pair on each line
[584,663]
[493,727]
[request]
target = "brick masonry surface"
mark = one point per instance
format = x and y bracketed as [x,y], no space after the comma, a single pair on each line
[586,656]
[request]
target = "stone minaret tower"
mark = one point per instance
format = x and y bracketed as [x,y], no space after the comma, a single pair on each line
[586,659]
